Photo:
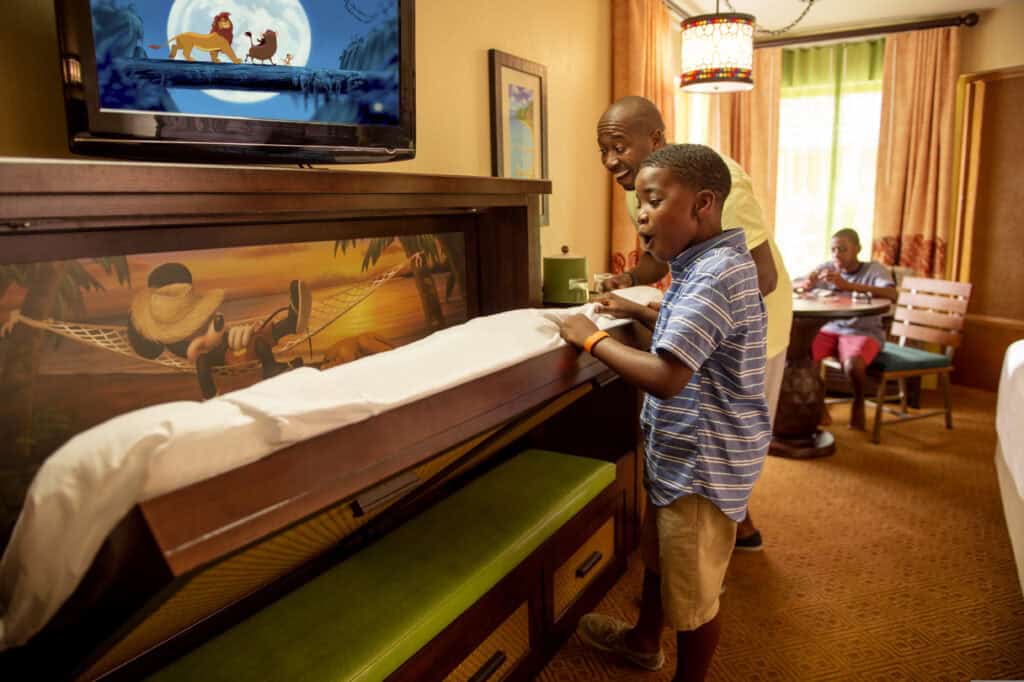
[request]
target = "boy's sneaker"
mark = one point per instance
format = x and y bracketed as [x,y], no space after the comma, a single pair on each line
[607,634]
[751,543]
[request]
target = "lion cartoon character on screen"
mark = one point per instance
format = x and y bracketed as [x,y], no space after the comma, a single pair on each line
[216,42]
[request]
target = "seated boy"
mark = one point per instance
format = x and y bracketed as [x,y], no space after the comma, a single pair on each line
[704,419]
[857,340]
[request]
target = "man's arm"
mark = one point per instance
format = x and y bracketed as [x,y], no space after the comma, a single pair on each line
[647,271]
[741,209]
[767,275]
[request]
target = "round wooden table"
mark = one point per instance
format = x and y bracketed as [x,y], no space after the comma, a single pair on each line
[802,397]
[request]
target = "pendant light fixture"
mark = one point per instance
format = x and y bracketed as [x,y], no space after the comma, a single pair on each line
[718,52]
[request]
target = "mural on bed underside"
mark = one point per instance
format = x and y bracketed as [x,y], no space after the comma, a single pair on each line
[84,340]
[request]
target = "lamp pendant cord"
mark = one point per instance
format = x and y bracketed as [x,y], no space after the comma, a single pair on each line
[774,31]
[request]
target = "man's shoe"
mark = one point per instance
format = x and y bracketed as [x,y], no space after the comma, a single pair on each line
[608,634]
[751,543]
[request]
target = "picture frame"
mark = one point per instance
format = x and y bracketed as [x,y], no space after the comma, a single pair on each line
[519,120]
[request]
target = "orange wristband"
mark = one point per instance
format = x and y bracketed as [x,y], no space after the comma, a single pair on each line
[593,340]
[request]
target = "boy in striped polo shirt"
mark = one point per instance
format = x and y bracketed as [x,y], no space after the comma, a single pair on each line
[704,420]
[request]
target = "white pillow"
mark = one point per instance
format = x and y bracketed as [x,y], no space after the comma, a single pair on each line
[78,495]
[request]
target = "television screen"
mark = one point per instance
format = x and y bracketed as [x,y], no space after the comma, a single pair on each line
[262,80]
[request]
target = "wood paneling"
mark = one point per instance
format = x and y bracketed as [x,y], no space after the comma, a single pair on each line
[991,223]
[979,359]
[586,563]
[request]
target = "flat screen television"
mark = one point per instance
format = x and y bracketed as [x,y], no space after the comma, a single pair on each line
[238,81]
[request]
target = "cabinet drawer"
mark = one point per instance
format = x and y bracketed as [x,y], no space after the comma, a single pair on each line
[583,566]
[498,655]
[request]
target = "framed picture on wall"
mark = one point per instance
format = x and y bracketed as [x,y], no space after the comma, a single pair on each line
[519,120]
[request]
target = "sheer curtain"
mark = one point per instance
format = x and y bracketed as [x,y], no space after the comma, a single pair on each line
[745,126]
[829,118]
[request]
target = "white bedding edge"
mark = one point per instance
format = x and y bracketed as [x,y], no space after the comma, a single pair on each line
[1010,413]
[1013,512]
[86,487]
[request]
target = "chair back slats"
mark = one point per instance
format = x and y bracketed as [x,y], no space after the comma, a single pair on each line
[932,311]
[928,318]
[926,334]
[943,287]
[952,305]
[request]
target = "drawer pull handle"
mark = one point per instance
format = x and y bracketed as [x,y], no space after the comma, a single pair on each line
[490,667]
[591,561]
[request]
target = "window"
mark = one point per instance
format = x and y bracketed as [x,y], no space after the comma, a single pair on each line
[829,117]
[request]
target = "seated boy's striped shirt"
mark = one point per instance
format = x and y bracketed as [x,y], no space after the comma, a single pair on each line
[712,438]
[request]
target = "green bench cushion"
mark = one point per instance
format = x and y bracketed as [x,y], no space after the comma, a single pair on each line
[364,617]
[896,358]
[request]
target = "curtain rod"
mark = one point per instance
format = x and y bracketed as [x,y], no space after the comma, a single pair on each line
[966,20]
[676,9]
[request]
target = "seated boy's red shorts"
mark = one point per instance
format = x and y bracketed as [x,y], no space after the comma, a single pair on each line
[843,346]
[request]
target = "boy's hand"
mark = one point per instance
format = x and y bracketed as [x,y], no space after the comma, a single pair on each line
[576,328]
[618,307]
[620,281]
[835,279]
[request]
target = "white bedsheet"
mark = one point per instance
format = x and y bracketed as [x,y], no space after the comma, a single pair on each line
[1010,413]
[85,488]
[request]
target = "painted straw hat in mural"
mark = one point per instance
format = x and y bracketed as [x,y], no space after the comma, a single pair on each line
[167,315]
[169,311]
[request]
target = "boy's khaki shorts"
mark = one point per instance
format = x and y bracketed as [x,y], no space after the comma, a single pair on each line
[689,543]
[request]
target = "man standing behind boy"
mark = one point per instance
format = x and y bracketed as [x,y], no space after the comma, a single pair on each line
[628,131]
[704,420]
[857,340]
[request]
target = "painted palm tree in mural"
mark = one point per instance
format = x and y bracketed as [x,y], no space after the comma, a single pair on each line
[430,258]
[52,290]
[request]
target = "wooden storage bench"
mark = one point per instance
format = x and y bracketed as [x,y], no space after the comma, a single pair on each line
[481,586]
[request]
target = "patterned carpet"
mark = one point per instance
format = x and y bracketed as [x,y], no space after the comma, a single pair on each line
[888,562]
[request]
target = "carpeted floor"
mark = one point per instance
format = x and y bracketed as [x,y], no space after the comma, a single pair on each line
[882,562]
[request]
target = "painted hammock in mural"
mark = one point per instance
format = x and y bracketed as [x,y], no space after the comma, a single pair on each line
[313,317]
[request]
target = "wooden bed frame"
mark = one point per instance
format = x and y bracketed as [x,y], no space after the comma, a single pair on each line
[364,478]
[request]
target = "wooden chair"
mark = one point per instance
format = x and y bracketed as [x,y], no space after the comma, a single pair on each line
[927,311]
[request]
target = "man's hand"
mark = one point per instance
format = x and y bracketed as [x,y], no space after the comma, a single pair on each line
[620,281]
[835,279]
[576,328]
[618,307]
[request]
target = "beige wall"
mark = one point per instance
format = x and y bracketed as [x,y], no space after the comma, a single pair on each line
[996,41]
[31,107]
[571,37]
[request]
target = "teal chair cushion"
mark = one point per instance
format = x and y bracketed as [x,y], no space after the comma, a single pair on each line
[896,358]
[364,617]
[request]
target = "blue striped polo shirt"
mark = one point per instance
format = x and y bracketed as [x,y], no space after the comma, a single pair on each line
[712,438]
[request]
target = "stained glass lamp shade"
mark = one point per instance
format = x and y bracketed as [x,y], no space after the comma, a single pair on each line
[718,53]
